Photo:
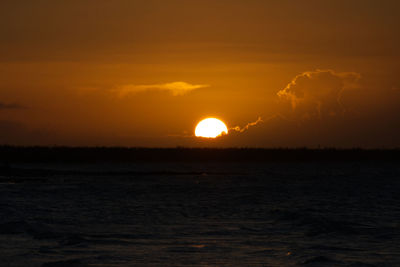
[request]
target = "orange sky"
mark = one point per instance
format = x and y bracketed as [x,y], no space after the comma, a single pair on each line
[143,73]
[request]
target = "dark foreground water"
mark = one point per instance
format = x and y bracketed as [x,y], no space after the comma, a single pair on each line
[198,214]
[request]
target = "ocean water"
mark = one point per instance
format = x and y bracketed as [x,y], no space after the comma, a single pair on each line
[201,214]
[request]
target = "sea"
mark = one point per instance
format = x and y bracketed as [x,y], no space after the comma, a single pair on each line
[201,214]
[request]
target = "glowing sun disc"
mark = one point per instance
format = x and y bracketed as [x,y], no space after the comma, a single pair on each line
[210,128]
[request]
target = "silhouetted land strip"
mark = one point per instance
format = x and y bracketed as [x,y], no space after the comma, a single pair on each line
[11,154]
[43,173]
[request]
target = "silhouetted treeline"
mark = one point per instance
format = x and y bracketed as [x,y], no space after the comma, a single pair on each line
[9,154]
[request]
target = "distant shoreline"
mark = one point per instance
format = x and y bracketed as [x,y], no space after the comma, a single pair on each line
[33,154]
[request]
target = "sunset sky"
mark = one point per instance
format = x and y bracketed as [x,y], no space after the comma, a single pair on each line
[144,73]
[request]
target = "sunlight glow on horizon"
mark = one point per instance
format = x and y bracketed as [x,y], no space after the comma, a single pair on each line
[210,128]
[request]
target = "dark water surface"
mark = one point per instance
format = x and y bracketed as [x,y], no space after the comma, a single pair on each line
[199,214]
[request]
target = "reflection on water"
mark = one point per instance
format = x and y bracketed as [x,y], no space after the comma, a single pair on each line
[203,215]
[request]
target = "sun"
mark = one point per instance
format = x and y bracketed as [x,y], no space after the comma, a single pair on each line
[210,128]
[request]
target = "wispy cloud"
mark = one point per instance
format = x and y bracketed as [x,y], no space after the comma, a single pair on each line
[175,88]
[245,128]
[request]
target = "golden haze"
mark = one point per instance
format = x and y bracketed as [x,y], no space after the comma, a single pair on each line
[142,73]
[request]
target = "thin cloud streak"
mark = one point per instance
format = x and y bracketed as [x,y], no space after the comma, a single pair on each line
[245,128]
[175,88]
[11,106]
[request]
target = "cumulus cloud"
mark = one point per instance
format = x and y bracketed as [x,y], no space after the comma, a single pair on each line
[241,130]
[175,88]
[317,94]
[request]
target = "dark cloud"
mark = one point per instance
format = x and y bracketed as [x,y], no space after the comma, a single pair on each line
[317,94]
[326,108]
[330,108]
